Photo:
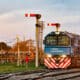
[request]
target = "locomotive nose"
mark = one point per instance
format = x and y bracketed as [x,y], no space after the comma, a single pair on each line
[57,60]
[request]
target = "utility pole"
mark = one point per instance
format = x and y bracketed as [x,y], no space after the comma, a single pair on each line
[18,52]
[29,45]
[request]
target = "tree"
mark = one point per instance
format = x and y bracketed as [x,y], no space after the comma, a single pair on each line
[4,46]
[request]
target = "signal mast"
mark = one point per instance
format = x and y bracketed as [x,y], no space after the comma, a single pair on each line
[57,25]
[39,31]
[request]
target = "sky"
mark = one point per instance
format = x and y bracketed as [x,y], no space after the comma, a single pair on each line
[13,22]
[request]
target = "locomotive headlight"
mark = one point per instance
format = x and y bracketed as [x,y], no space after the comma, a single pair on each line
[49,55]
[63,56]
[57,32]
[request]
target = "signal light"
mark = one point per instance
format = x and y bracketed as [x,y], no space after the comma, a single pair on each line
[26,15]
[38,16]
[53,24]
[32,15]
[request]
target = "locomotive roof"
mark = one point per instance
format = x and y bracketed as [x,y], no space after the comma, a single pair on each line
[54,34]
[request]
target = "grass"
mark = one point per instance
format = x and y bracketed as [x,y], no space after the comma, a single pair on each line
[10,68]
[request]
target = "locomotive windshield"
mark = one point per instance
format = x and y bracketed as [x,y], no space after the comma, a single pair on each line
[51,40]
[63,40]
[57,40]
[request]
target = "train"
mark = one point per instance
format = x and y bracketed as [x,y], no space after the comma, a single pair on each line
[62,50]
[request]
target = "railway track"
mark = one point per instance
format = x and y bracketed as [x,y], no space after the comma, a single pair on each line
[45,74]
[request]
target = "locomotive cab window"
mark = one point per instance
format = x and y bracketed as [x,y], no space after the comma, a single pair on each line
[63,40]
[51,40]
[57,40]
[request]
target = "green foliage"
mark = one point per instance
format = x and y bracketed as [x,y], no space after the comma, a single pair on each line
[10,68]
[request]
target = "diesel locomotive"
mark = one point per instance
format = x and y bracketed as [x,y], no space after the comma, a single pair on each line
[58,50]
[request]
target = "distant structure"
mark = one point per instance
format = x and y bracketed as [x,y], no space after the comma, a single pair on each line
[75,41]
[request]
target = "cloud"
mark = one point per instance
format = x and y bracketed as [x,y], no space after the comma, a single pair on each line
[15,23]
